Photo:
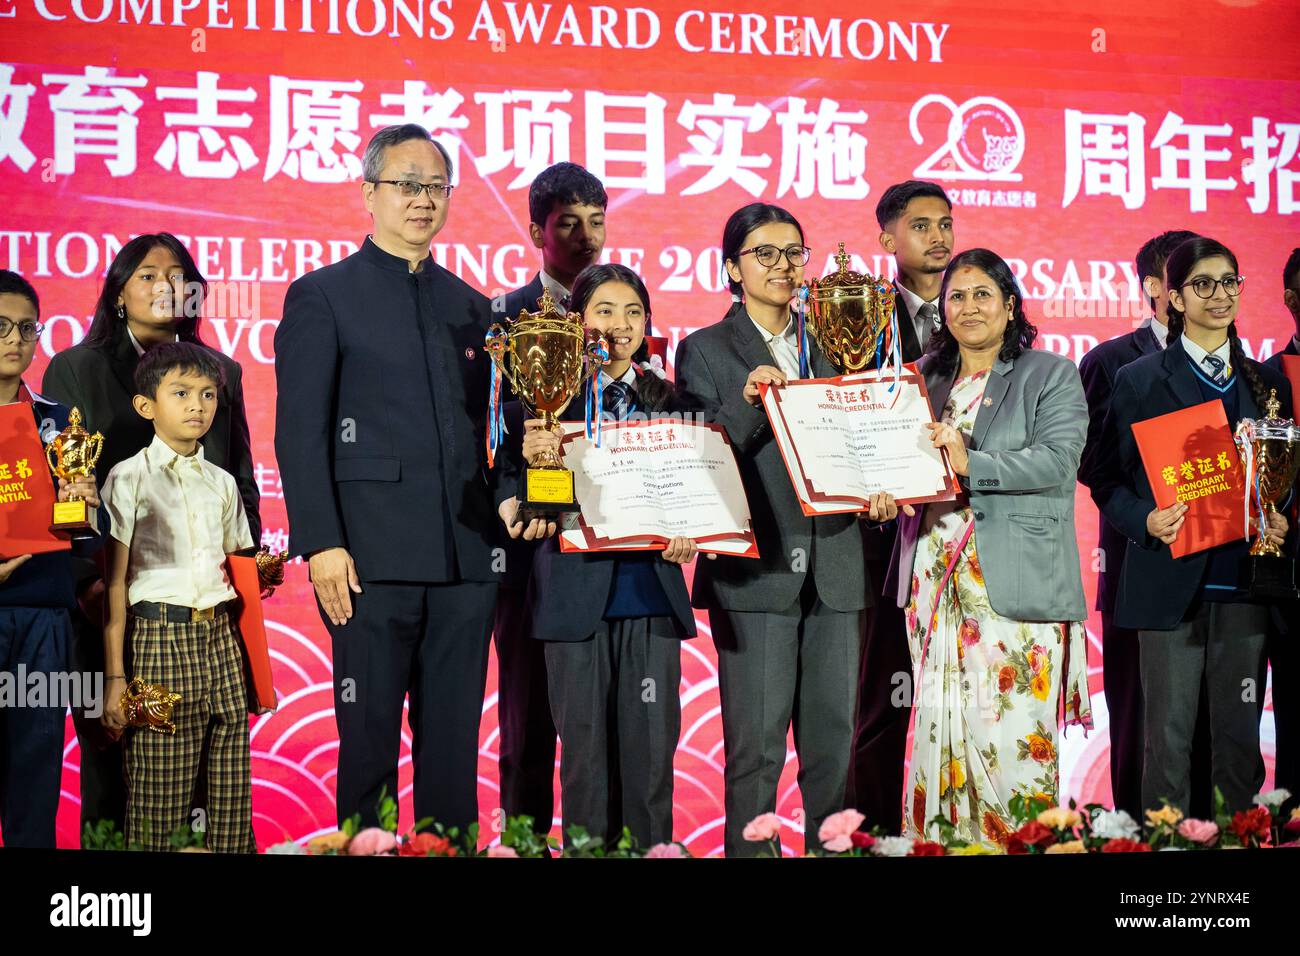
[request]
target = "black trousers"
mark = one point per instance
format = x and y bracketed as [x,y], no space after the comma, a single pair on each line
[31,731]
[428,642]
[102,779]
[777,670]
[616,701]
[527,749]
[1284,659]
[1122,681]
[880,732]
[1220,646]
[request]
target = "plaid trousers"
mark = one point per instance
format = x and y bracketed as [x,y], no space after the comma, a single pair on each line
[203,662]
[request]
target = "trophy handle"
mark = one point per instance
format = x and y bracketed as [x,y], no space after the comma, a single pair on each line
[50,457]
[96,441]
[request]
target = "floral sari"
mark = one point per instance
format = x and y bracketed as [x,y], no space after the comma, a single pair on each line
[986,687]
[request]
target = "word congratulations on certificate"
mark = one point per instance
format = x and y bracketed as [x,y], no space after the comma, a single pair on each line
[649,482]
[845,439]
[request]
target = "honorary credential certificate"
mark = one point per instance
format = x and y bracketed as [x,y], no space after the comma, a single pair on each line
[844,439]
[652,481]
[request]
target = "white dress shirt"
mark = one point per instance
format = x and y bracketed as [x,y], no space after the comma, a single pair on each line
[784,347]
[558,292]
[180,516]
[1197,355]
[1160,331]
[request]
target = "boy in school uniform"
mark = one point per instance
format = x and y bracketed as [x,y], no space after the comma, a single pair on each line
[175,517]
[36,594]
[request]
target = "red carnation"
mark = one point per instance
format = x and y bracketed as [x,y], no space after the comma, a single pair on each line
[1254,822]
[927,848]
[1015,846]
[1124,845]
[1036,834]
[862,841]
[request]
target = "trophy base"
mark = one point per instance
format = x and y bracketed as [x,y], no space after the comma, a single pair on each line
[1269,576]
[547,491]
[74,519]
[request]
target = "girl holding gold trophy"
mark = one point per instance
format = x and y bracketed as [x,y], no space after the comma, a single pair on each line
[612,621]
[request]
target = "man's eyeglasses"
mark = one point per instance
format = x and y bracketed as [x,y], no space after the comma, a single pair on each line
[1204,286]
[771,255]
[27,330]
[409,188]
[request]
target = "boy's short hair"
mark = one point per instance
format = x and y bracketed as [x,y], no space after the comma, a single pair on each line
[894,200]
[563,184]
[172,356]
[11,283]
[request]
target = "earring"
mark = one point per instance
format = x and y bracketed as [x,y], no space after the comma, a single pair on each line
[121,312]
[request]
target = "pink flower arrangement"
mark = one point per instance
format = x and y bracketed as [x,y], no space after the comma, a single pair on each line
[1203,832]
[666,851]
[764,827]
[373,841]
[836,831]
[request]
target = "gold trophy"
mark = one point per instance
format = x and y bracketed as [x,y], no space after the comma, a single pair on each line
[149,706]
[541,355]
[848,314]
[270,569]
[1270,453]
[72,456]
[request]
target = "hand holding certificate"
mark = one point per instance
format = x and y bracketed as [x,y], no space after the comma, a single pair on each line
[650,482]
[845,439]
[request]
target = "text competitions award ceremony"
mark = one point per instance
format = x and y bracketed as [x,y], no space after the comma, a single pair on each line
[516,429]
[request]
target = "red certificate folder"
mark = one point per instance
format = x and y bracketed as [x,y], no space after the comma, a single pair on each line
[27,492]
[1190,456]
[244,579]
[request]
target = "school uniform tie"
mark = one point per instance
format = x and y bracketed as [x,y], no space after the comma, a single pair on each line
[929,315]
[1215,365]
[619,399]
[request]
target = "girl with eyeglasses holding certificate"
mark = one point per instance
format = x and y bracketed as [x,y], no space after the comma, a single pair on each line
[1196,622]
[787,626]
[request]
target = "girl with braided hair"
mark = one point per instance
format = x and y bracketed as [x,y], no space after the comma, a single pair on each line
[1195,620]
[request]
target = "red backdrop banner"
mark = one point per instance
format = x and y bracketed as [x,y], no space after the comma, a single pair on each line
[1066,139]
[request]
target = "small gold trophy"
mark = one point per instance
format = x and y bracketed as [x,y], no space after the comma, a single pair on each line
[1270,453]
[541,355]
[72,456]
[848,315]
[270,569]
[149,706]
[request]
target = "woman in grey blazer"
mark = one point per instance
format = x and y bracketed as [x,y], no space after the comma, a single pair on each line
[990,582]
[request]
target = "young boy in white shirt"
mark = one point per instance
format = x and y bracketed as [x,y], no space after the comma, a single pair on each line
[175,518]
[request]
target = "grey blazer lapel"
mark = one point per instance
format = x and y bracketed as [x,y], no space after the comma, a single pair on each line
[753,350]
[994,391]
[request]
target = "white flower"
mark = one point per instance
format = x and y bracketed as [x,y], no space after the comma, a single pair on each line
[1273,799]
[655,366]
[287,848]
[892,846]
[1115,825]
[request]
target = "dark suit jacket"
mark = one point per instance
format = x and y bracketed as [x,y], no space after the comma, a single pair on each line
[100,382]
[1098,370]
[1275,361]
[712,365]
[567,593]
[356,435]
[1155,589]
[509,306]
[908,342]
